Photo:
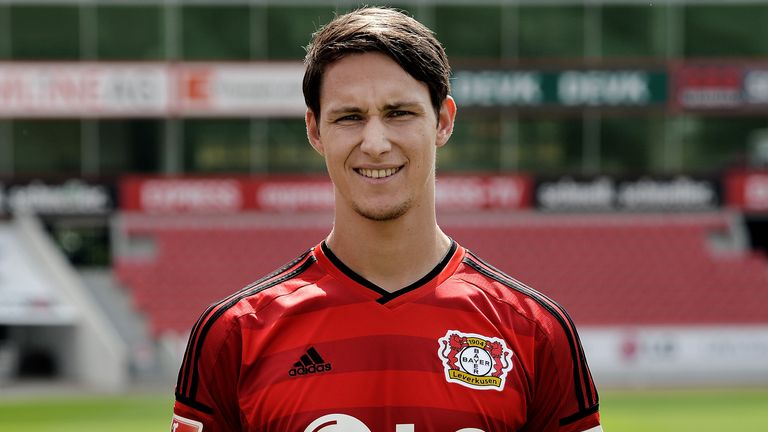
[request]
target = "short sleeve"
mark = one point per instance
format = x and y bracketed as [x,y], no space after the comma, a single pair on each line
[565,397]
[206,390]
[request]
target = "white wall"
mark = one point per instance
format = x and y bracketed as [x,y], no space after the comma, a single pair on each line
[677,355]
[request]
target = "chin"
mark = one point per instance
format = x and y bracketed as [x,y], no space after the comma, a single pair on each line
[384,214]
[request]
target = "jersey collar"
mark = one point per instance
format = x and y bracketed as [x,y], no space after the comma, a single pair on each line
[446,267]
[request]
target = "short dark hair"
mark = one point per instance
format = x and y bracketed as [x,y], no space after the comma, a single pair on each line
[376,29]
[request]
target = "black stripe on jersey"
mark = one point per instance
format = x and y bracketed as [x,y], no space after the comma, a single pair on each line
[428,277]
[581,374]
[579,415]
[185,370]
[387,296]
[194,404]
[349,272]
[228,304]
[187,389]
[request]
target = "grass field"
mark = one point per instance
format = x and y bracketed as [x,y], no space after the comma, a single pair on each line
[684,411]
[622,411]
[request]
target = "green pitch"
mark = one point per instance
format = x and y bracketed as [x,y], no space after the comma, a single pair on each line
[87,414]
[689,410]
[622,411]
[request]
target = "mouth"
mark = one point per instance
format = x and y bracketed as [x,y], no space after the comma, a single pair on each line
[378,173]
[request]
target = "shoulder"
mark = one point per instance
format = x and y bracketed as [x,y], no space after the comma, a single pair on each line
[558,344]
[528,303]
[216,332]
[259,294]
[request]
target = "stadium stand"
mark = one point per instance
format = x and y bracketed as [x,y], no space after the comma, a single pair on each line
[632,270]
[189,265]
[606,269]
[52,326]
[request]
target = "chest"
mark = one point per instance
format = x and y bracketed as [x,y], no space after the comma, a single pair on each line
[413,369]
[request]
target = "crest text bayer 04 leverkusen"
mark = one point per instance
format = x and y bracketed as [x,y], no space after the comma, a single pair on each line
[475,361]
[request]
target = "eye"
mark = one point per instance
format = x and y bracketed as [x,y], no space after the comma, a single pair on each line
[349,118]
[400,113]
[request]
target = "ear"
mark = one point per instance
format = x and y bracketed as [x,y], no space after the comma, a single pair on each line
[445,121]
[313,132]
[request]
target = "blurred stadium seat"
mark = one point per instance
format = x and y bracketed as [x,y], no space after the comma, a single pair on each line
[606,269]
[196,265]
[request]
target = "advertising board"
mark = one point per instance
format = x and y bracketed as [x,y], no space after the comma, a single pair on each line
[646,193]
[303,193]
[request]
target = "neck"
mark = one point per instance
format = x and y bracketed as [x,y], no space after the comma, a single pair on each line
[391,254]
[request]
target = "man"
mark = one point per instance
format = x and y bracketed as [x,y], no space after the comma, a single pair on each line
[388,325]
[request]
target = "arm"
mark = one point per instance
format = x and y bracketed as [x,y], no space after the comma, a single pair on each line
[206,391]
[565,397]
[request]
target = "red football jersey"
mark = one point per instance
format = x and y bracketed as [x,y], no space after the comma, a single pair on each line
[315,347]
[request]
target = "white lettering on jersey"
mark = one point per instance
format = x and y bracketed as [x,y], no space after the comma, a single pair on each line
[337,423]
[597,428]
[346,423]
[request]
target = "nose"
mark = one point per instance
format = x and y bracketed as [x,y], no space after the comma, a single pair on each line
[374,140]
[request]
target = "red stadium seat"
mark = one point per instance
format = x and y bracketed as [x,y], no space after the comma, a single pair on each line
[606,270]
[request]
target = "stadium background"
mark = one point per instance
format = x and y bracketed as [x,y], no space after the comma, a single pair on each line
[610,153]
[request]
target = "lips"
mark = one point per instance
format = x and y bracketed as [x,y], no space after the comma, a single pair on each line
[378,173]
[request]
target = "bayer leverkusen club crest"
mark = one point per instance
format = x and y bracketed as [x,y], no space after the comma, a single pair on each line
[475,361]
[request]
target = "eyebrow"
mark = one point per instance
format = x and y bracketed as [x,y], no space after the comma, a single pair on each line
[387,107]
[345,110]
[399,105]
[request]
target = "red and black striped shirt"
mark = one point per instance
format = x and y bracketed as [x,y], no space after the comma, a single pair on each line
[315,347]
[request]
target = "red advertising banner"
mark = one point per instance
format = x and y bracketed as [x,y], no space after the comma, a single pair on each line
[720,85]
[747,191]
[226,195]
[182,195]
[508,192]
[714,86]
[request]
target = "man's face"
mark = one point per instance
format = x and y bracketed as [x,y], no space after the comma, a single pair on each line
[378,132]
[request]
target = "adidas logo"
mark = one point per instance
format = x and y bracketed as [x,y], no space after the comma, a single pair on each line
[309,363]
